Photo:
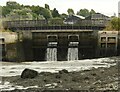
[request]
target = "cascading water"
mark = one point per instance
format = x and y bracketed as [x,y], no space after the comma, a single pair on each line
[52,51]
[73,51]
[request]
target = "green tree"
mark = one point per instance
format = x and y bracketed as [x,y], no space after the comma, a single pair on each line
[70,11]
[92,11]
[10,6]
[18,14]
[63,16]
[55,13]
[47,6]
[5,11]
[35,9]
[114,24]
[13,5]
[83,12]
[45,12]
[56,21]
[41,11]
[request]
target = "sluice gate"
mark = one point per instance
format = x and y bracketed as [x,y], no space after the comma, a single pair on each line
[60,45]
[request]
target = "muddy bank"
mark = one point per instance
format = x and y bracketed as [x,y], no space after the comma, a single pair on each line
[95,79]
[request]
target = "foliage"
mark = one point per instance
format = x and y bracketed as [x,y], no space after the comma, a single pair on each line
[70,11]
[63,16]
[14,10]
[114,24]
[41,11]
[45,12]
[47,6]
[10,5]
[92,11]
[85,12]
[55,13]
[18,14]
[56,21]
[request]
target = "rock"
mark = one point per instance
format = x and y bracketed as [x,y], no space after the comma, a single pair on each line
[86,78]
[28,73]
[58,76]
[45,73]
[63,71]
[93,74]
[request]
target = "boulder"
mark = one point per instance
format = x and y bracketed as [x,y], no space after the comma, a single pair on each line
[63,71]
[29,73]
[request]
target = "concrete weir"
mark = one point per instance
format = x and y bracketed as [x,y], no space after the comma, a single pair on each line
[66,45]
[57,45]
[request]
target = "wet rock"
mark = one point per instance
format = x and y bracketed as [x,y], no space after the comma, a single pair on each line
[102,71]
[93,74]
[86,78]
[63,71]
[28,73]
[74,80]
[45,73]
[45,80]
[58,76]
[59,81]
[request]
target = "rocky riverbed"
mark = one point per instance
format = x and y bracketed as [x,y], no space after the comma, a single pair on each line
[101,78]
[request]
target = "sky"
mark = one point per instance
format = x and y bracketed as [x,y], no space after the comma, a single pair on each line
[107,7]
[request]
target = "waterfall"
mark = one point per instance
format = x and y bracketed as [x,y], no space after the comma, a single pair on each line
[73,51]
[52,51]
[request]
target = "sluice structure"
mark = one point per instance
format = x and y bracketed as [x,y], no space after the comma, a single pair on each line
[42,40]
[64,45]
[67,45]
[57,45]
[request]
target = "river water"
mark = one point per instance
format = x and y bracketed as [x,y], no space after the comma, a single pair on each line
[13,69]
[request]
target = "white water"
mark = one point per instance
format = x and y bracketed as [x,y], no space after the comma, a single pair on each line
[73,51]
[7,86]
[51,54]
[72,54]
[13,69]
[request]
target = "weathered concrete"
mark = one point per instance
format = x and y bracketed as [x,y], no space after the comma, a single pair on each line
[10,45]
[35,43]
[31,45]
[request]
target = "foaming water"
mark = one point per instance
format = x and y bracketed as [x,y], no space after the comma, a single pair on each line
[13,69]
[73,51]
[72,54]
[7,86]
[51,54]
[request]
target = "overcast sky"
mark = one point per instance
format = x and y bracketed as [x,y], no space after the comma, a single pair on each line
[107,7]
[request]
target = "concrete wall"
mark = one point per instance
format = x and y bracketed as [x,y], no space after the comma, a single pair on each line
[108,43]
[31,45]
[10,45]
[35,43]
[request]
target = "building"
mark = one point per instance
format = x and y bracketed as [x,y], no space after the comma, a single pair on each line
[72,19]
[98,19]
[108,43]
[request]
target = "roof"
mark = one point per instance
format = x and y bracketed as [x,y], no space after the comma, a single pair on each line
[74,18]
[94,16]
[80,16]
